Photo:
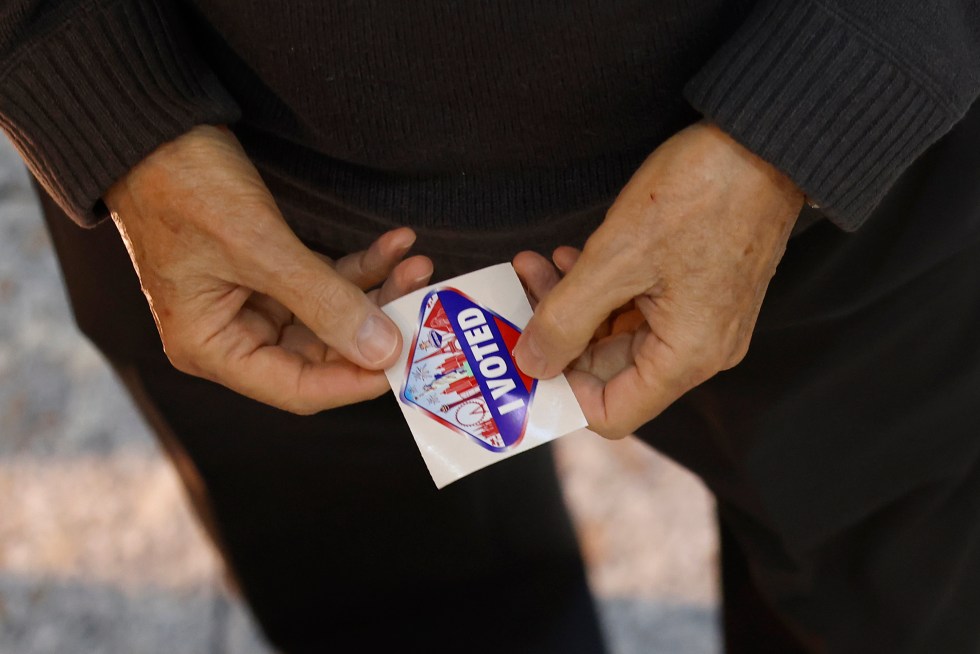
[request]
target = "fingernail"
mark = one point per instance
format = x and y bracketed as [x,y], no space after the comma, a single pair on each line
[376,339]
[406,245]
[529,357]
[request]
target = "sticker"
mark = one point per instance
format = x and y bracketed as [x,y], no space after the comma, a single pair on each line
[460,371]
[464,398]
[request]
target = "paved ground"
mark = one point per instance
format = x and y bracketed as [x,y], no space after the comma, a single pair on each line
[99,554]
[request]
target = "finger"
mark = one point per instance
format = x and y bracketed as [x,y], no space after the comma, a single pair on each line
[331,306]
[248,356]
[653,375]
[565,257]
[301,386]
[566,320]
[537,273]
[618,406]
[298,338]
[370,267]
[606,357]
[274,311]
[408,276]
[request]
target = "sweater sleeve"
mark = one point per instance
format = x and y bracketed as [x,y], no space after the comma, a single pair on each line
[842,95]
[90,87]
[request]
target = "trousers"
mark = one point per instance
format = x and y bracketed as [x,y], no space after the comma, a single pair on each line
[844,450]
[844,453]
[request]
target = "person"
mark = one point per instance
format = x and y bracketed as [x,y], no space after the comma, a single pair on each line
[835,140]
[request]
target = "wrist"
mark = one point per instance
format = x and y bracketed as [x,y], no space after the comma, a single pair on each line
[168,162]
[756,168]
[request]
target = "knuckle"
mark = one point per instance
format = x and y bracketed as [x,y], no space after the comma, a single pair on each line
[175,349]
[716,362]
[180,359]
[737,356]
[739,338]
[299,407]
[707,357]
[701,371]
[179,348]
[610,430]
[617,432]
[298,402]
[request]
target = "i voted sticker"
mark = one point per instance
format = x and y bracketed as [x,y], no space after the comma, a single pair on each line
[463,396]
[462,374]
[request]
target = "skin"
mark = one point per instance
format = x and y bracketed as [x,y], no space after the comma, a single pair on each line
[666,292]
[664,295]
[238,299]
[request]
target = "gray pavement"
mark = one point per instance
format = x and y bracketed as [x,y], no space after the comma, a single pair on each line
[99,553]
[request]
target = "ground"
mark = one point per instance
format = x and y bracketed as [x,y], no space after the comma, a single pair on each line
[100,554]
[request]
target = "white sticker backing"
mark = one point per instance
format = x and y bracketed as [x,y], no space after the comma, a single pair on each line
[465,400]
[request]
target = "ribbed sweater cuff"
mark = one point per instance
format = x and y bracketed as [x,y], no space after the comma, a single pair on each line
[97,92]
[825,102]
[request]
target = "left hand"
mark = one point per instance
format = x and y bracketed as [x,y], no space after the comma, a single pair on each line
[667,290]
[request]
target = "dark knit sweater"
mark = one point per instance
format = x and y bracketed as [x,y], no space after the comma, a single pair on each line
[479,113]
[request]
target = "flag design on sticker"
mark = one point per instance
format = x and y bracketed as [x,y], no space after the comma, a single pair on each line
[461,371]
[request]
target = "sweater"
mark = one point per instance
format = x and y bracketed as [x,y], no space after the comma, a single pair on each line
[479,114]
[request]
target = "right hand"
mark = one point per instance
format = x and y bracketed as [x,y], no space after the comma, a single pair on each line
[238,299]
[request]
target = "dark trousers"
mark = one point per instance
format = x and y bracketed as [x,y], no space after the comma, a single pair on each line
[844,453]
[845,449]
[848,481]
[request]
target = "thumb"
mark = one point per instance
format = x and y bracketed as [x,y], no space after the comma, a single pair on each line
[332,307]
[565,321]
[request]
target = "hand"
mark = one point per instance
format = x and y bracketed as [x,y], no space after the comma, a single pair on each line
[238,299]
[667,290]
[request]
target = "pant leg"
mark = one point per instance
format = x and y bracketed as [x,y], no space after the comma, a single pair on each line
[845,449]
[330,523]
[845,460]
[747,617]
